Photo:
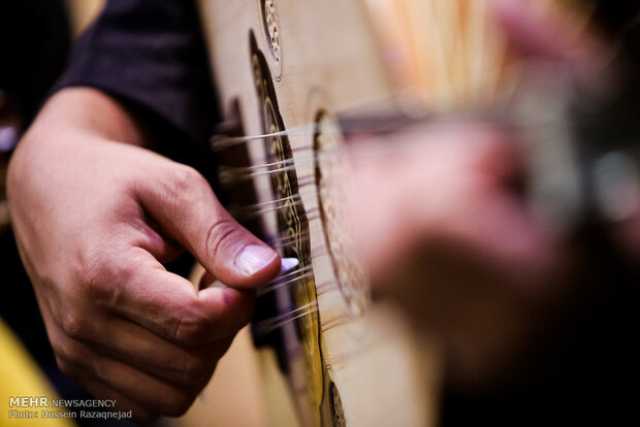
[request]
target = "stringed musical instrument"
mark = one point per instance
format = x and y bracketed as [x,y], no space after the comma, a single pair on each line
[318,352]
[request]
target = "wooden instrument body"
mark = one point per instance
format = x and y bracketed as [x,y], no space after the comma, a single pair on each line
[302,64]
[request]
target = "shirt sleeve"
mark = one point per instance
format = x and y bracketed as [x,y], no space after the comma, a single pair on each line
[151,56]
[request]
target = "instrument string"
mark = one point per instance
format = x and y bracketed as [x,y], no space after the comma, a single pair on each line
[233,175]
[362,116]
[306,157]
[266,207]
[247,214]
[293,199]
[296,278]
[265,327]
[223,142]
[287,280]
[299,278]
[381,123]
[284,240]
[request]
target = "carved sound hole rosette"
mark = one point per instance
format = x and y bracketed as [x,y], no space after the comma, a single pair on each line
[290,311]
[272,28]
[349,275]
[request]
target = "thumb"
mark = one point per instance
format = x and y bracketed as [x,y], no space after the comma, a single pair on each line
[182,202]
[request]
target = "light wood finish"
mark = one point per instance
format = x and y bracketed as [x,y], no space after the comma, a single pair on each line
[384,386]
[330,61]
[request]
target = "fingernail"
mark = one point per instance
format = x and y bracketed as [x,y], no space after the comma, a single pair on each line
[254,258]
[288,264]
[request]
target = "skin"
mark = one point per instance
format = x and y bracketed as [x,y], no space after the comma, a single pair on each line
[442,231]
[464,171]
[448,185]
[96,215]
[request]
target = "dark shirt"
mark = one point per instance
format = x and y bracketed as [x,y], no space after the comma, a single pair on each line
[151,56]
[34,40]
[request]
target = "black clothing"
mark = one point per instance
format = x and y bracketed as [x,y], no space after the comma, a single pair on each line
[150,55]
[34,40]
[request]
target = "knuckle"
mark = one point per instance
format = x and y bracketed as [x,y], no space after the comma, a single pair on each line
[243,319]
[66,367]
[192,326]
[74,326]
[98,369]
[63,350]
[73,368]
[184,183]
[103,279]
[179,404]
[97,287]
[88,268]
[193,370]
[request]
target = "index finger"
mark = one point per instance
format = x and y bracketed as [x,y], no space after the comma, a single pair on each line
[141,290]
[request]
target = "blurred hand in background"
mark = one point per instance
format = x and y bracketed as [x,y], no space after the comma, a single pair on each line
[441,220]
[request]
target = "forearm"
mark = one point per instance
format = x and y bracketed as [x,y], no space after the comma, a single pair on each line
[86,110]
[69,121]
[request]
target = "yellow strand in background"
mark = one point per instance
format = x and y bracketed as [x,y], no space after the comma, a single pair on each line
[22,378]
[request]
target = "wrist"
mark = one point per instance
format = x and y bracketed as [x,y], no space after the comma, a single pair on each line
[87,111]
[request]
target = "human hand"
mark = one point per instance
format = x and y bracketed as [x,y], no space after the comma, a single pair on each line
[95,220]
[441,225]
